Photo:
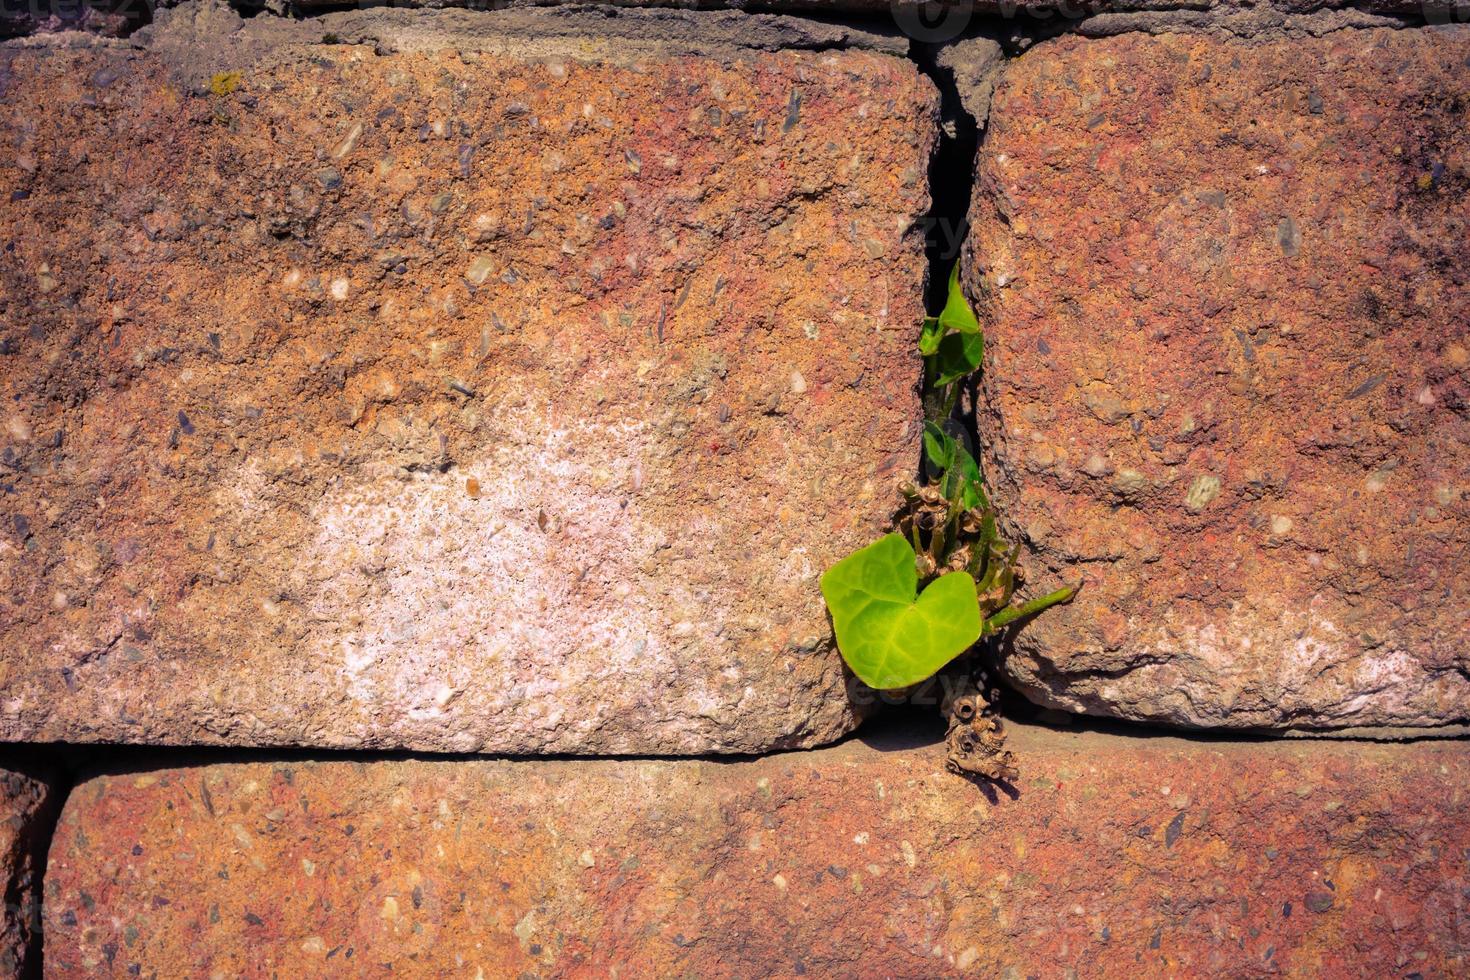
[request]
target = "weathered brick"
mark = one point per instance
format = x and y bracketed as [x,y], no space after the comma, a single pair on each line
[1226,297]
[501,392]
[1113,855]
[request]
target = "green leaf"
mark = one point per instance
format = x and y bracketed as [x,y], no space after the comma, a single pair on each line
[957,315]
[958,354]
[972,490]
[967,464]
[889,634]
[939,446]
[929,336]
[952,484]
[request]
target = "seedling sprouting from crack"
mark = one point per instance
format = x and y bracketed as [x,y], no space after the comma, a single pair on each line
[911,602]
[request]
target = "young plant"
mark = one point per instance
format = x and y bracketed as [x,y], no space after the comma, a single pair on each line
[914,600]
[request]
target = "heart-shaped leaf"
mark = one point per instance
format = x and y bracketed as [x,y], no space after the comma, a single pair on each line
[957,315]
[889,634]
[957,355]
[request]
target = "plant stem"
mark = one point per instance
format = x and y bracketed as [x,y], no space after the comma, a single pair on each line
[1010,614]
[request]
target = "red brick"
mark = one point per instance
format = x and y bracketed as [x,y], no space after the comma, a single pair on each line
[506,393]
[1226,301]
[1113,855]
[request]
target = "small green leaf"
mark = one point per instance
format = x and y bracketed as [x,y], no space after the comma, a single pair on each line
[957,315]
[959,354]
[953,483]
[939,446]
[972,490]
[929,336]
[889,634]
[966,464]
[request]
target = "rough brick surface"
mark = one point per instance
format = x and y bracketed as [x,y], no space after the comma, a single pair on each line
[29,804]
[1113,855]
[1227,300]
[503,394]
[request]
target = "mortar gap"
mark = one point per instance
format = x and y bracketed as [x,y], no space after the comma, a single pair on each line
[951,175]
